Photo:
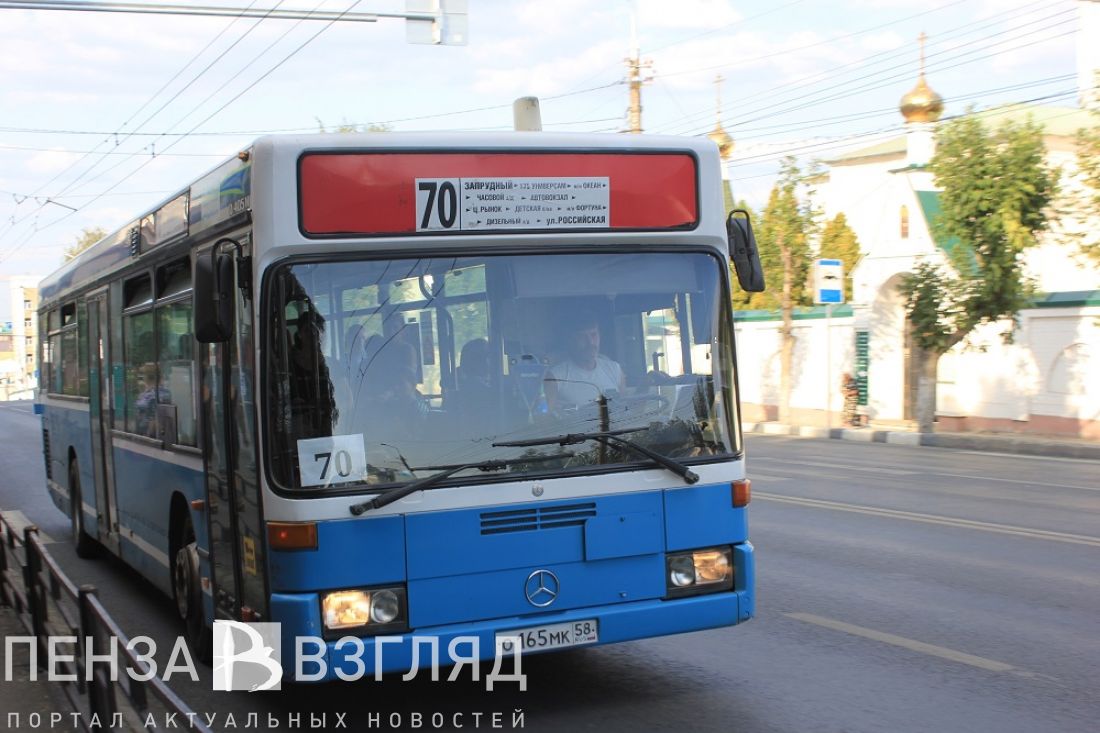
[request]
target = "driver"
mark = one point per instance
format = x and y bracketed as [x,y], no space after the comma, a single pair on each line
[585,374]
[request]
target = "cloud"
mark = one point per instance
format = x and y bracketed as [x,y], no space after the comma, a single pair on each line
[554,76]
[701,14]
[885,41]
[50,161]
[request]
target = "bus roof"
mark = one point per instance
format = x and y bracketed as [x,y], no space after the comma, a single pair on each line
[205,201]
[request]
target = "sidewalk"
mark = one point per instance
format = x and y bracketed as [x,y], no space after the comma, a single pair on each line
[21,697]
[985,442]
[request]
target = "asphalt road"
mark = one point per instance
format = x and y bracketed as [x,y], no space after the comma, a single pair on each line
[900,589]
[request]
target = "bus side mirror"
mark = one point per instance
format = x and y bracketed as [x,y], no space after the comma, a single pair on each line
[743,252]
[212,297]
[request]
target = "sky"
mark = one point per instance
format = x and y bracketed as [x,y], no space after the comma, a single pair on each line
[104,115]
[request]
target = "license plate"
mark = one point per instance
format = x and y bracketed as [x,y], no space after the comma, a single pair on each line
[551,636]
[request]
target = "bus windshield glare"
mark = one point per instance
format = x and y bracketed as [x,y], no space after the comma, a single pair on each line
[381,371]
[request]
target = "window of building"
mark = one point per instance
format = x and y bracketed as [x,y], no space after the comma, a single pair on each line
[904,222]
[26,305]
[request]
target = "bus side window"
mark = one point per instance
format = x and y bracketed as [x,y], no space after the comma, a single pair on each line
[176,385]
[82,350]
[70,361]
[139,354]
[53,351]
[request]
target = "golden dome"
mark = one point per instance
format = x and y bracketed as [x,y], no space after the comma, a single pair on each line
[922,103]
[719,135]
[723,140]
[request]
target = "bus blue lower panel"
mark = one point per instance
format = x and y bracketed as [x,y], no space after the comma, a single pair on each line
[467,571]
[144,487]
[622,622]
[299,616]
[70,435]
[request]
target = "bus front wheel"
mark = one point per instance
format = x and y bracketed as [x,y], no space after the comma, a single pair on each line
[188,593]
[84,545]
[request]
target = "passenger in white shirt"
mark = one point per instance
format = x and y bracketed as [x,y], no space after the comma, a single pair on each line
[586,374]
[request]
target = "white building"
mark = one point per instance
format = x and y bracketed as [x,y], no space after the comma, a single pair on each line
[1046,382]
[18,337]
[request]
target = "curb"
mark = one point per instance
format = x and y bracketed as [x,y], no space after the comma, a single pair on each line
[957,441]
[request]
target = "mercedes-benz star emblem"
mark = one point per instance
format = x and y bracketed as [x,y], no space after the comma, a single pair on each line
[541,588]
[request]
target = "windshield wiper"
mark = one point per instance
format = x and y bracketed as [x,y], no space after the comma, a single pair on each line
[612,437]
[400,492]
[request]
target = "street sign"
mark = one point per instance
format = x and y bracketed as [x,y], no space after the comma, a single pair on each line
[438,22]
[828,282]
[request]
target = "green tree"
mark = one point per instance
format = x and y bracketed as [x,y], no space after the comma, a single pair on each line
[839,242]
[87,238]
[996,193]
[782,233]
[1087,203]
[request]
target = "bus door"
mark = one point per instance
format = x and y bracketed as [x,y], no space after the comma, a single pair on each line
[236,544]
[99,393]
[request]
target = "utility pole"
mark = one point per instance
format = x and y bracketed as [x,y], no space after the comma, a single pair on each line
[638,73]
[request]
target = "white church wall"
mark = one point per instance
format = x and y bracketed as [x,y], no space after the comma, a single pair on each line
[816,368]
[1041,383]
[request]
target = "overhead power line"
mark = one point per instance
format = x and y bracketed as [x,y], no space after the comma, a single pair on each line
[213,11]
[182,137]
[114,135]
[145,104]
[772,129]
[873,81]
[846,142]
[787,92]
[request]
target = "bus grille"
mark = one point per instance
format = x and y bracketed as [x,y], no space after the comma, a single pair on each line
[529,520]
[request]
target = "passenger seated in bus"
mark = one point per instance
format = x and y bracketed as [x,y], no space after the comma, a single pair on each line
[385,398]
[146,403]
[474,394]
[585,374]
[311,389]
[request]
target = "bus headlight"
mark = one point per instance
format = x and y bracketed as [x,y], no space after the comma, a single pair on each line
[699,571]
[681,570]
[384,607]
[374,610]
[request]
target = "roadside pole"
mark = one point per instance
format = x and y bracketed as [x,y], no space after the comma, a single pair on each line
[828,291]
[829,366]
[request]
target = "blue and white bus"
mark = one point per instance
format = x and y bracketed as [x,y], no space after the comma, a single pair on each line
[434,385]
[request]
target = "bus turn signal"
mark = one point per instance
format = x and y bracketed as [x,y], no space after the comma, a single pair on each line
[292,535]
[741,491]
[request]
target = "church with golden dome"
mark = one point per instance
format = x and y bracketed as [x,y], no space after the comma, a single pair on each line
[1036,384]
[921,103]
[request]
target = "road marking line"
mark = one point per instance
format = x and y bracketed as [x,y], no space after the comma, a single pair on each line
[755,475]
[1041,534]
[921,647]
[1022,456]
[17,520]
[925,471]
[1034,483]
[873,469]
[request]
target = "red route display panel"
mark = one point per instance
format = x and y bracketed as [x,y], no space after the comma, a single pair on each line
[349,194]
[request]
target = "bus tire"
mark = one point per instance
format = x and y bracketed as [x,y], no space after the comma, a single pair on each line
[187,592]
[85,546]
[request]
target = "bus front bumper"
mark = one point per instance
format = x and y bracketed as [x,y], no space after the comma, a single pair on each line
[621,622]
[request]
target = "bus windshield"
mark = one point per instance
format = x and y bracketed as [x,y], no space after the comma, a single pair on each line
[381,370]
